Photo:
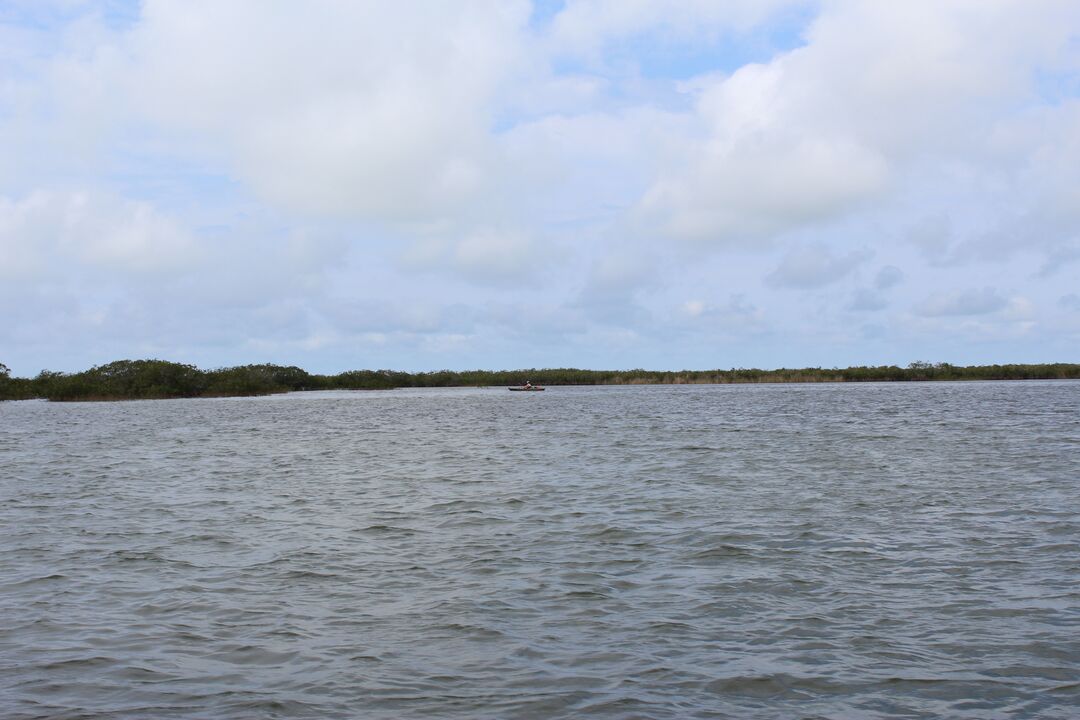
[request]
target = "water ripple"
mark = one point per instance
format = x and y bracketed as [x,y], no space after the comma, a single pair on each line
[830,551]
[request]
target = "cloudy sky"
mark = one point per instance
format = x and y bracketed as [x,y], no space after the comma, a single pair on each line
[666,184]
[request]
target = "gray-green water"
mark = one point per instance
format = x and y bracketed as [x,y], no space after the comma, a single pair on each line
[829,551]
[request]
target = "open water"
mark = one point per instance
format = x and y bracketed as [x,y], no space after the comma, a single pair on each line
[798,551]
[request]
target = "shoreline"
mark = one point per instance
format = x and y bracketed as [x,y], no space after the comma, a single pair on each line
[163,380]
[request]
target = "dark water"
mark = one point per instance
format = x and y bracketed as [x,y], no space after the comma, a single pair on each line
[834,551]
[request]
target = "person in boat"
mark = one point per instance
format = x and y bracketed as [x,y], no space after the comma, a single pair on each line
[528,384]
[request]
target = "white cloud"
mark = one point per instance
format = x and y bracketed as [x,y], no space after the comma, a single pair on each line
[746,192]
[44,233]
[866,300]
[547,323]
[887,277]
[311,145]
[353,109]
[1019,309]
[613,289]
[875,298]
[967,302]
[415,317]
[693,308]
[585,165]
[484,255]
[759,170]
[932,236]
[814,134]
[618,277]
[814,266]
[735,314]
[491,255]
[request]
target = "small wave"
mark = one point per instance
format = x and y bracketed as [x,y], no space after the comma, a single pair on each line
[80,663]
[35,580]
[779,685]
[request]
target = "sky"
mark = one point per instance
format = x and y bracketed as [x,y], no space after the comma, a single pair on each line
[499,184]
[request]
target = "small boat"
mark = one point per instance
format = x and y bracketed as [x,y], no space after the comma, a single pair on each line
[526,388]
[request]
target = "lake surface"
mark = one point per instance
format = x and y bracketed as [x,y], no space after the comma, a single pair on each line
[797,551]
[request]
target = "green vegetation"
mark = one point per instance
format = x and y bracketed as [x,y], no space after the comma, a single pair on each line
[15,388]
[156,379]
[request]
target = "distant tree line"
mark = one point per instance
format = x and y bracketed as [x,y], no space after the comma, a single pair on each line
[158,379]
